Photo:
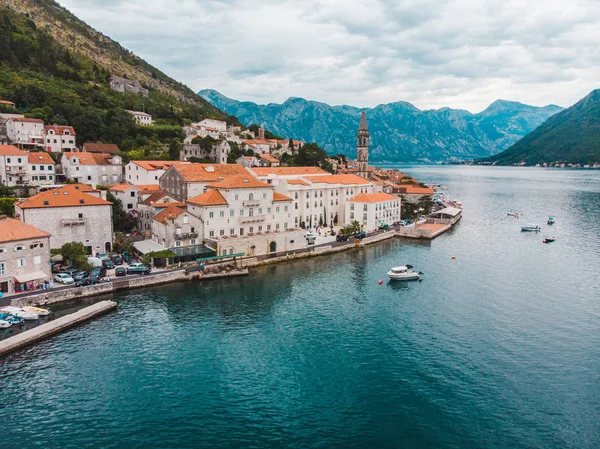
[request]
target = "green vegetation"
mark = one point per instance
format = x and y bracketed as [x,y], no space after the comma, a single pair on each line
[123,221]
[122,243]
[353,228]
[571,136]
[50,82]
[75,254]
[268,134]
[309,154]
[7,207]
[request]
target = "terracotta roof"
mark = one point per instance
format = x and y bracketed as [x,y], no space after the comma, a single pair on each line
[299,182]
[246,181]
[337,179]
[256,142]
[148,188]
[59,129]
[100,148]
[209,198]
[288,171]
[160,205]
[11,150]
[7,102]
[27,120]
[169,212]
[279,197]
[122,187]
[40,157]
[268,158]
[154,197]
[90,158]
[12,230]
[155,165]
[416,190]
[139,113]
[66,196]
[209,172]
[373,198]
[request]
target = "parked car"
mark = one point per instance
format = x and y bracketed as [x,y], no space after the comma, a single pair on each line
[70,271]
[79,275]
[360,235]
[126,257]
[108,264]
[64,268]
[138,268]
[117,260]
[102,256]
[120,271]
[56,267]
[64,278]
[341,238]
[97,274]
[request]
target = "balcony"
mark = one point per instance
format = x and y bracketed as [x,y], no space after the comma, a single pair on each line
[186,236]
[73,221]
[16,171]
[253,203]
[253,219]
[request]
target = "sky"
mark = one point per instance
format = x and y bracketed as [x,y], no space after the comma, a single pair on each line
[432,53]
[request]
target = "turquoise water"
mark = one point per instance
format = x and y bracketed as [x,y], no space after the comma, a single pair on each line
[498,348]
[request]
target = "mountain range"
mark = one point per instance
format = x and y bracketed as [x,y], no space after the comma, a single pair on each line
[571,136]
[400,132]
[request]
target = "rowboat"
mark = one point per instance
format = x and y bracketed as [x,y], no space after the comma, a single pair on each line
[549,240]
[530,227]
[39,310]
[551,220]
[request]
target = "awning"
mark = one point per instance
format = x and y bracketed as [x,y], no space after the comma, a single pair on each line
[148,246]
[31,276]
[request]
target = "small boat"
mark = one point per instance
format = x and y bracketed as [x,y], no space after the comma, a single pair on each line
[549,240]
[551,220]
[39,310]
[512,213]
[10,319]
[5,324]
[403,273]
[530,227]
[16,311]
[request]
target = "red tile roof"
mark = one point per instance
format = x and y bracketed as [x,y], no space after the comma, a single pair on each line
[90,158]
[40,157]
[208,172]
[7,102]
[415,190]
[299,182]
[373,198]
[27,120]
[11,150]
[337,179]
[100,148]
[209,198]
[155,165]
[122,187]
[169,212]
[246,181]
[66,196]
[148,188]
[289,171]
[269,158]
[154,197]
[59,129]
[279,197]
[12,230]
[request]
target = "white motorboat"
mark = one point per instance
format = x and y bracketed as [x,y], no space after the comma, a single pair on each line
[39,310]
[531,227]
[5,324]
[403,273]
[16,311]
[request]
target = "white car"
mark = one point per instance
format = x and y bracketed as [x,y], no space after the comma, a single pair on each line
[64,278]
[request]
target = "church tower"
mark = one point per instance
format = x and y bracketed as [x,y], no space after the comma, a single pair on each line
[362,147]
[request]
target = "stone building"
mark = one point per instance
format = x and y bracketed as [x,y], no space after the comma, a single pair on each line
[218,153]
[152,205]
[93,168]
[373,209]
[24,255]
[13,166]
[128,194]
[173,227]
[72,213]
[41,169]
[146,172]
[60,138]
[26,133]
[121,84]
[141,118]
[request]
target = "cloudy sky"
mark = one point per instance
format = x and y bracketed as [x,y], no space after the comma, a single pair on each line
[456,53]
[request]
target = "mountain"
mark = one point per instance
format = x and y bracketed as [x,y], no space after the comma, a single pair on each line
[57,68]
[571,136]
[400,132]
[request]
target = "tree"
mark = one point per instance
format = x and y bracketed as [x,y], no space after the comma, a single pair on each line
[175,149]
[426,203]
[123,221]
[353,228]
[76,254]
[122,243]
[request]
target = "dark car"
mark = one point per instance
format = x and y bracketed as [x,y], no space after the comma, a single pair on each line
[360,235]
[56,267]
[120,271]
[341,238]
[97,274]
[126,257]
[109,264]
[65,268]
[80,275]
[117,260]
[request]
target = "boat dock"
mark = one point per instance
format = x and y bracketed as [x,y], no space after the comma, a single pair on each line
[55,327]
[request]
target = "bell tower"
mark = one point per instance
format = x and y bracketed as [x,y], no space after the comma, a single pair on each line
[362,147]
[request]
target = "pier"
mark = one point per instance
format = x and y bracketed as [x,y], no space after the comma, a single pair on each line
[55,327]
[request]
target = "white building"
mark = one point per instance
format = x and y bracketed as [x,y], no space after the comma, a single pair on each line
[60,138]
[72,213]
[25,132]
[244,215]
[24,255]
[152,205]
[373,210]
[211,123]
[13,166]
[93,168]
[128,194]
[173,227]
[258,146]
[41,169]
[141,118]
[146,172]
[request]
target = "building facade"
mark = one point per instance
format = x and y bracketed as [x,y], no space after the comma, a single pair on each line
[93,168]
[25,132]
[13,166]
[146,172]
[41,169]
[60,138]
[373,210]
[72,213]
[24,255]
[141,118]
[362,147]
[174,227]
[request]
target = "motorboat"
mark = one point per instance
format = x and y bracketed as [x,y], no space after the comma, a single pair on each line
[18,312]
[512,213]
[549,240]
[403,273]
[551,220]
[39,310]
[10,319]
[5,324]
[531,227]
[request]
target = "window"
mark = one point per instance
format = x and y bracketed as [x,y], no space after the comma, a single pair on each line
[307,195]
[2,268]
[212,233]
[352,206]
[260,229]
[268,227]
[50,177]
[41,168]
[232,232]
[37,260]
[296,195]
[264,196]
[231,213]
[8,160]
[33,167]
[177,231]
[186,219]
[193,242]
[316,194]
[192,229]
[237,197]
[251,197]
[80,215]
[222,232]
[211,215]
[178,243]
[20,262]
[352,216]
[251,230]
[277,226]
[277,209]
[19,248]
[241,212]
[241,231]
[18,160]
[89,178]
[268,210]
[222,213]
[132,194]
[285,225]
[296,206]
[260,211]
[129,206]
